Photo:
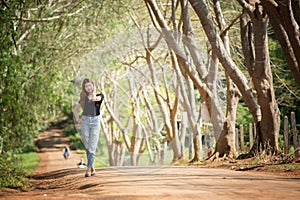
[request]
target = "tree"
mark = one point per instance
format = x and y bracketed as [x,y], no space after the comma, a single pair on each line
[231,68]
[264,87]
[212,102]
[258,64]
[38,41]
[285,21]
[226,143]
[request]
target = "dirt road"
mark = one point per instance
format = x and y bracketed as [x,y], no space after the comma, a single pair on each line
[56,178]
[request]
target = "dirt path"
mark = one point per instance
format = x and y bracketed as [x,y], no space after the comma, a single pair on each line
[51,144]
[56,178]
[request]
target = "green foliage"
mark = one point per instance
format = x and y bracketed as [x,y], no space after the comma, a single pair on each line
[244,118]
[76,142]
[38,41]
[30,89]
[99,163]
[27,161]
[12,173]
[67,124]
[292,166]
[243,115]
[286,89]
[13,178]
[281,141]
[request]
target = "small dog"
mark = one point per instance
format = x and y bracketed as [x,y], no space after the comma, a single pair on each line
[66,152]
[81,164]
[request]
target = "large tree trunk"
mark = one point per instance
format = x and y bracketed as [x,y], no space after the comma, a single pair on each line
[209,76]
[225,144]
[285,19]
[263,83]
[190,107]
[259,68]
[296,10]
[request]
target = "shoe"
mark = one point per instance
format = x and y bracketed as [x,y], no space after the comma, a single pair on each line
[93,171]
[87,174]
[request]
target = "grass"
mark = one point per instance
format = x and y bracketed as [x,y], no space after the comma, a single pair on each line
[291,166]
[28,162]
[14,170]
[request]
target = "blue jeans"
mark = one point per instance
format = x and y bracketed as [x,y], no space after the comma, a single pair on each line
[90,131]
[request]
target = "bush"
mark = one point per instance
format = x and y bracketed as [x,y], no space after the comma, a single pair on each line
[12,175]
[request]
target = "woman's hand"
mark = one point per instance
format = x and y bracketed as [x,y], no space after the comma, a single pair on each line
[96,98]
[79,121]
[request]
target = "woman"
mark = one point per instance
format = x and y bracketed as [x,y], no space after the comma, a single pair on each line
[90,103]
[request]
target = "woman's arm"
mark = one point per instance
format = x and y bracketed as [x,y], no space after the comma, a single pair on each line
[102,97]
[75,113]
[99,97]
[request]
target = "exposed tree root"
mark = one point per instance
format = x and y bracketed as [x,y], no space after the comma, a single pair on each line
[263,162]
[195,160]
[214,158]
[179,160]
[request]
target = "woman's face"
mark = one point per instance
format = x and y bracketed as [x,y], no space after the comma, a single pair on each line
[89,87]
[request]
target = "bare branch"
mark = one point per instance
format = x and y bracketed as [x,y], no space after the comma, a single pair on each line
[5,4]
[46,19]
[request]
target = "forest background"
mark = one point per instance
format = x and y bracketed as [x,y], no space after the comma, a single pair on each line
[154,61]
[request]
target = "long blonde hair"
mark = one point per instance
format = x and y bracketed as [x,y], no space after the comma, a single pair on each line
[84,94]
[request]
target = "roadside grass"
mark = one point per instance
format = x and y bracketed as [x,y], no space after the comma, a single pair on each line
[13,171]
[28,162]
[286,167]
[292,166]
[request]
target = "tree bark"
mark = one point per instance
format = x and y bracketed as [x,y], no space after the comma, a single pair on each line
[169,118]
[225,145]
[219,49]
[285,19]
[260,70]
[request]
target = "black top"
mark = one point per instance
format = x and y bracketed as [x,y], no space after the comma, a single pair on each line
[92,108]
